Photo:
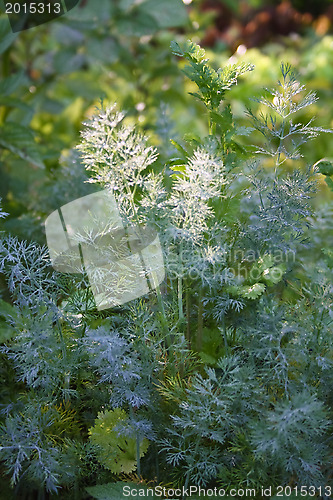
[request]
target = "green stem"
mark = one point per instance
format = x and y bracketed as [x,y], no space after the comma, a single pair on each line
[137,444]
[188,305]
[226,345]
[163,317]
[200,323]
[156,285]
[41,495]
[180,285]
[64,354]
[157,466]
[211,123]
[138,454]
[180,301]
[277,163]
[187,477]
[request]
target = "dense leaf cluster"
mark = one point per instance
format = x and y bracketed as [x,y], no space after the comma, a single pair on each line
[219,376]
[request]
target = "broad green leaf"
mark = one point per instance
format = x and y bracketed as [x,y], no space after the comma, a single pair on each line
[329,182]
[190,51]
[7,37]
[176,50]
[13,102]
[244,130]
[104,50]
[207,358]
[93,14]
[10,84]
[325,167]
[170,14]
[223,119]
[6,309]
[179,147]
[115,491]
[115,451]
[175,161]
[20,141]
[180,169]
[261,266]
[67,61]
[140,23]
[7,332]
[273,275]
[253,291]
[192,139]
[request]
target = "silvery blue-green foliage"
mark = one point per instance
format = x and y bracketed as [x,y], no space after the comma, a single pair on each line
[293,438]
[125,358]
[280,202]
[117,364]
[284,137]
[202,178]
[252,410]
[41,356]
[253,405]
[280,206]
[26,266]
[30,448]
[281,354]
[214,408]
[291,347]
[115,156]
[284,338]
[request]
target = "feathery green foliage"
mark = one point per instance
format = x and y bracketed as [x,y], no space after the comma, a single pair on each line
[226,367]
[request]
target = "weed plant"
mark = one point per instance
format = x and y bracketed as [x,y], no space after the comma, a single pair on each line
[221,375]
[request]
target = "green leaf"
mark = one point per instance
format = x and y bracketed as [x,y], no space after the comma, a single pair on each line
[325,167]
[115,491]
[212,84]
[20,141]
[179,169]
[180,148]
[9,85]
[175,161]
[175,49]
[244,130]
[13,102]
[207,359]
[116,452]
[138,24]
[329,182]
[252,292]
[7,332]
[192,139]
[7,310]
[7,37]
[170,14]
[224,118]
[190,51]
[273,275]
[262,264]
